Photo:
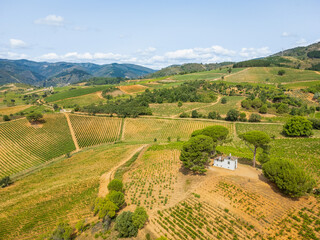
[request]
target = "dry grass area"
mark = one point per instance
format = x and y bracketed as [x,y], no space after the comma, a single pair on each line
[12,110]
[149,129]
[130,89]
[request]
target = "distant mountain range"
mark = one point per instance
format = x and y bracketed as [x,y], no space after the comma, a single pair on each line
[44,73]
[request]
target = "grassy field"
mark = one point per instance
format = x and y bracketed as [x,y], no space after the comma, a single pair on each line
[74,93]
[62,191]
[271,129]
[233,102]
[148,129]
[299,85]
[24,146]
[172,109]
[83,100]
[91,131]
[133,88]
[207,75]
[270,75]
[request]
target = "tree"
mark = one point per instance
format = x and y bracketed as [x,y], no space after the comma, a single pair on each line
[55,107]
[179,104]
[255,117]
[256,139]
[315,123]
[194,114]
[80,226]
[232,115]
[6,118]
[214,115]
[243,117]
[291,180]
[139,217]
[283,108]
[195,153]
[35,117]
[224,100]
[184,115]
[298,126]
[104,207]
[281,72]
[256,103]
[124,225]
[117,198]
[246,103]
[263,109]
[115,185]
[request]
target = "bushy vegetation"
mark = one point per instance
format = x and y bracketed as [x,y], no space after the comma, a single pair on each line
[5,182]
[298,127]
[313,54]
[264,62]
[290,179]
[103,80]
[115,185]
[63,231]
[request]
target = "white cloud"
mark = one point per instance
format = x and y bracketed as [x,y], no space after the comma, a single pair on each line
[254,52]
[17,43]
[289,35]
[51,20]
[147,51]
[301,41]
[12,55]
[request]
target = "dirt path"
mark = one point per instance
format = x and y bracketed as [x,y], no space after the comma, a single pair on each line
[75,141]
[99,94]
[317,72]
[211,104]
[105,178]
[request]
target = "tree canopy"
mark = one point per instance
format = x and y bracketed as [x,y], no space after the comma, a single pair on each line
[125,226]
[256,139]
[139,217]
[195,153]
[298,126]
[115,185]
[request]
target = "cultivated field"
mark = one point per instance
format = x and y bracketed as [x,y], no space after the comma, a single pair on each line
[149,129]
[172,109]
[24,146]
[63,191]
[83,100]
[91,131]
[12,110]
[130,89]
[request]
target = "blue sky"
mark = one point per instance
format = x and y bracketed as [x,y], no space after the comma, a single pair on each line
[154,33]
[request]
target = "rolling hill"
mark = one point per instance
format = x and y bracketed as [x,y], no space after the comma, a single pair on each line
[44,73]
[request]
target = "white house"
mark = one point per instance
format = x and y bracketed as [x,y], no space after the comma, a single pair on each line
[228,162]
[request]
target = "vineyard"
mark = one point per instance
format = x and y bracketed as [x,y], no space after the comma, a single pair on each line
[91,131]
[151,129]
[24,146]
[272,129]
[170,109]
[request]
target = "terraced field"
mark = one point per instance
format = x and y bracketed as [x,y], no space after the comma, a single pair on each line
[24,146]
[149,129]
[91,130]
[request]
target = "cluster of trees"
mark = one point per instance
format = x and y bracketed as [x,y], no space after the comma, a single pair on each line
[299,126]
[201,146]
[264,62]
[313,54]
[234,115]
[35,117]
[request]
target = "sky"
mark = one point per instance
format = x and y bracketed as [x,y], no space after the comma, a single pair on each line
[154,34]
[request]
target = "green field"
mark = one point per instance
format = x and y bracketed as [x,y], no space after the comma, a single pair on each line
[270,75]
[271,129]
[24,146]
[233,102]
[63,191]
[207,75]
[81,101]
[172,109]
[74,93]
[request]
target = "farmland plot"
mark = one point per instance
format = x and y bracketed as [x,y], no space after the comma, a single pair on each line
[24,146]
[91,131]
[148,129]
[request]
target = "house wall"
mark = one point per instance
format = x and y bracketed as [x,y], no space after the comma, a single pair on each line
[228,164]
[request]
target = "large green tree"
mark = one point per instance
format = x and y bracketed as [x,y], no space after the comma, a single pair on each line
[298,127]
[125,226]
[290,179]
[254,140]
[195,153]
[139,217]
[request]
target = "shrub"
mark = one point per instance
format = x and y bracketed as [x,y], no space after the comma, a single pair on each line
[315,123]
[104,207]
[139,217]
[124,225]
[291,180]
[256,103]
[255,118]
[63,231]
[6,181]
[214,115]
[232,115]
[115,185]
[243,117]
[281,72]
[283,108]
[298,127]
[117,198]
[6,118]
[184,115]
[263,109]
[194,114]
[80,226]
[224,100]
[179,104]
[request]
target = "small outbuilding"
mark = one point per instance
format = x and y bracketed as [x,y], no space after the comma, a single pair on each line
[229,162]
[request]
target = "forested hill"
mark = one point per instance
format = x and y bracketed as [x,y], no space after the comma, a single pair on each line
[44,73]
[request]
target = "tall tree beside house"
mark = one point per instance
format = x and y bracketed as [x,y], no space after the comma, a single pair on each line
[255,140]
